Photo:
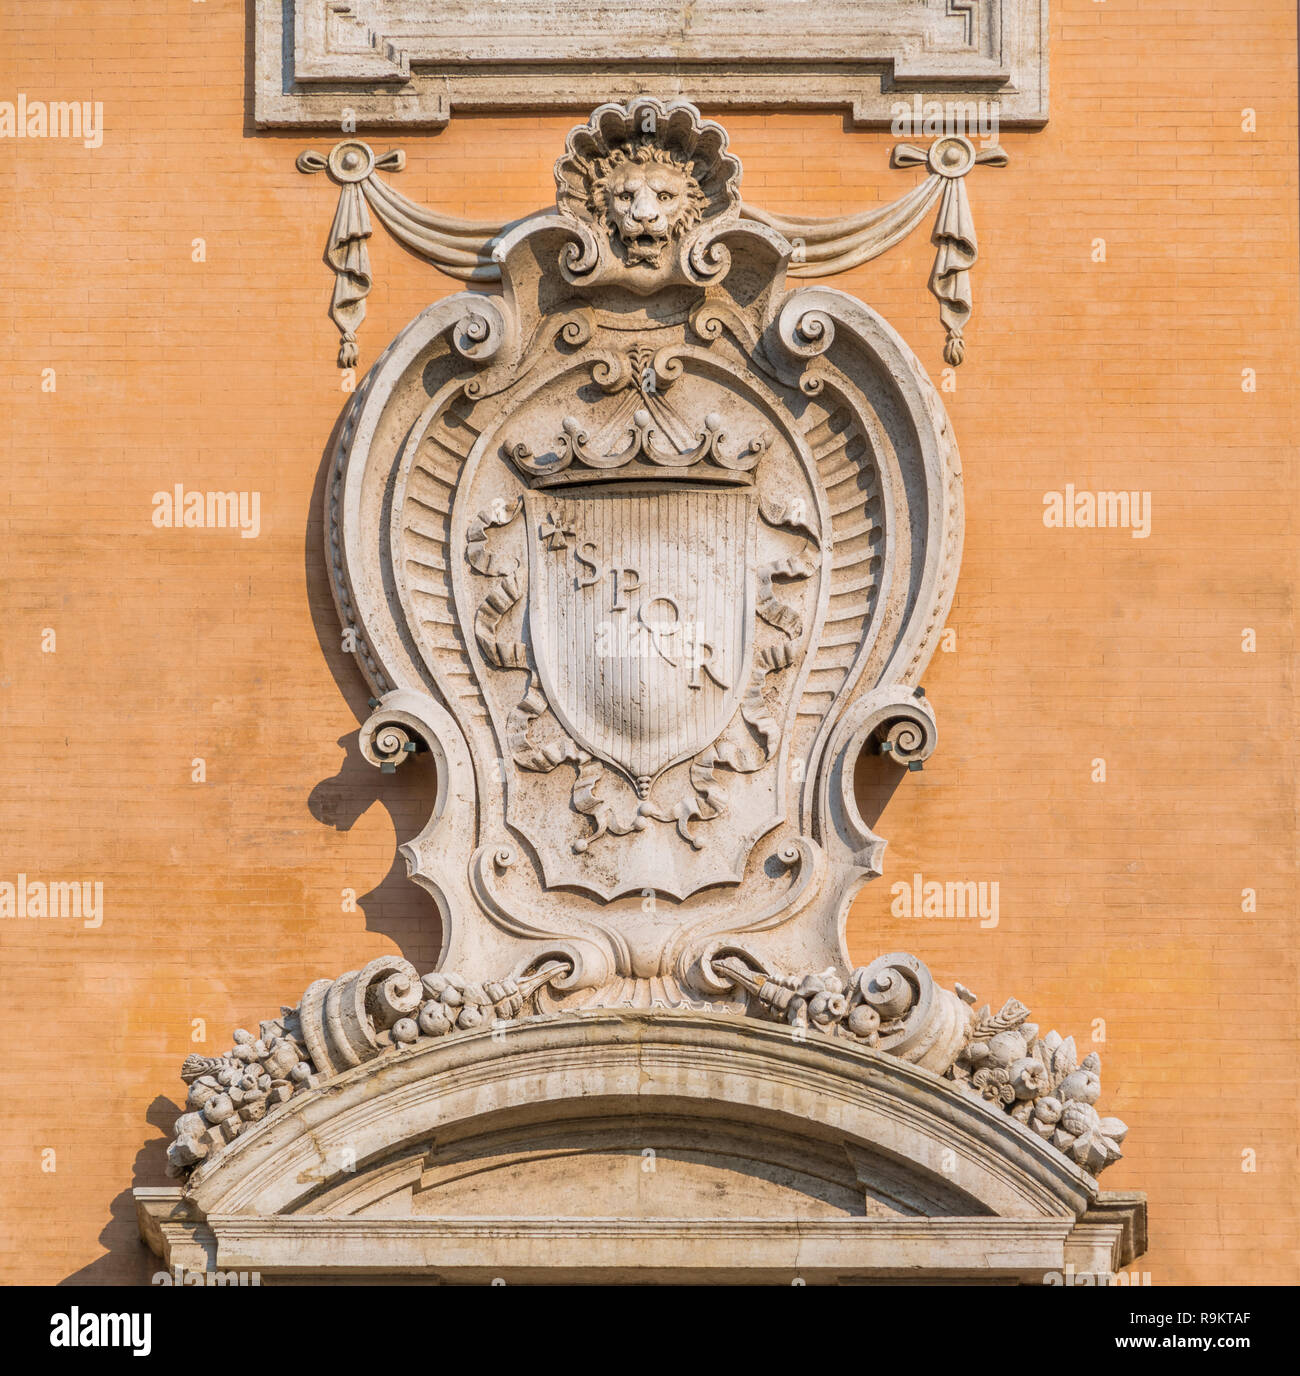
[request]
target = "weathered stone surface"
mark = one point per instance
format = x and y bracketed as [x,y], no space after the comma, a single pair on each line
[625,1144]
[645,551]
[412,63]
[819,246]
[891,1006]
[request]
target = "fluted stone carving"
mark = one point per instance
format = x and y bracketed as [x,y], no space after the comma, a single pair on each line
[645,551]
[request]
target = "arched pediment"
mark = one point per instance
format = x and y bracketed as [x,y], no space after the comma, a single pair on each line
[632,1142]
[646,548]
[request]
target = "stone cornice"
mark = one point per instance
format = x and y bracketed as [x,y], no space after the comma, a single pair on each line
[397,63]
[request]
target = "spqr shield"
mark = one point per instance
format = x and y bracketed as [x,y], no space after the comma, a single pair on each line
[641,614]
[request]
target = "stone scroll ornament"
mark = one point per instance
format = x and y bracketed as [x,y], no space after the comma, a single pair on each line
[464,249]
[646,549]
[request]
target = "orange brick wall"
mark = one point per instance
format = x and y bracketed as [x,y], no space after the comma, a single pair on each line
[1119,900]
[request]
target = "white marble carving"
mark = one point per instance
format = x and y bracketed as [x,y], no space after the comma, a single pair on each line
[630,1146]
[413,63]
[645,551]
[820,245]
[892,1006]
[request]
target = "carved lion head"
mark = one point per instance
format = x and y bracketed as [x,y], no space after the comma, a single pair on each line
[648,196]
[647,174]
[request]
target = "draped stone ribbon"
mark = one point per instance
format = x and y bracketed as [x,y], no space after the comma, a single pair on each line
[460,248]
[838,243]
[827,244]
[770,607]
[350,165]
[822,244]
[508,585]
[525,752]
[954,229]
[457,247]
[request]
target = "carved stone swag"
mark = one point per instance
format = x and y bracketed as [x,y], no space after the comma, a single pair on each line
[645,550]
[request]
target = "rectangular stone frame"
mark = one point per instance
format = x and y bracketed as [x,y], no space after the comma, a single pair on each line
[415,63]
[611,1251]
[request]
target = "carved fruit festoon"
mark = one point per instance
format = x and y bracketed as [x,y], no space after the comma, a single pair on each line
[646,550]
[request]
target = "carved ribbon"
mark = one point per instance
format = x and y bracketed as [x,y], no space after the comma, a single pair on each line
[822,244]
[770,607]
[459,248]
[501,654]
[540,759]
[600,813]
[828,244]
[955,244]
[346,252]
[838,243]
[504,593]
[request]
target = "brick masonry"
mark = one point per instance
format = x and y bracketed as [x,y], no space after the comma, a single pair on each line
[1119,900]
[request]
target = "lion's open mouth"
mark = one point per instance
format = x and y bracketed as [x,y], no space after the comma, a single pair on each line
[645,248]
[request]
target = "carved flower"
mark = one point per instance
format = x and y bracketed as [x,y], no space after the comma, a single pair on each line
[994,1084]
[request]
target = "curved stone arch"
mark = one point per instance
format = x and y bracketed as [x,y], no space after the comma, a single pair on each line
[859,1163]
[718,1064]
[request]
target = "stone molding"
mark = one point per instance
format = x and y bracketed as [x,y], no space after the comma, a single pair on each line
[645,550]
[406,63]
[362,1022]
[354,1178]
[523,1250]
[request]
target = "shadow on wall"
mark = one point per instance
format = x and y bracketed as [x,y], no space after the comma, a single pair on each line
[875,780]
[128,1260]
[395,907]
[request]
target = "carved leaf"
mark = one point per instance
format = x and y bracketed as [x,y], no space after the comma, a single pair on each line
[1064,1060]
